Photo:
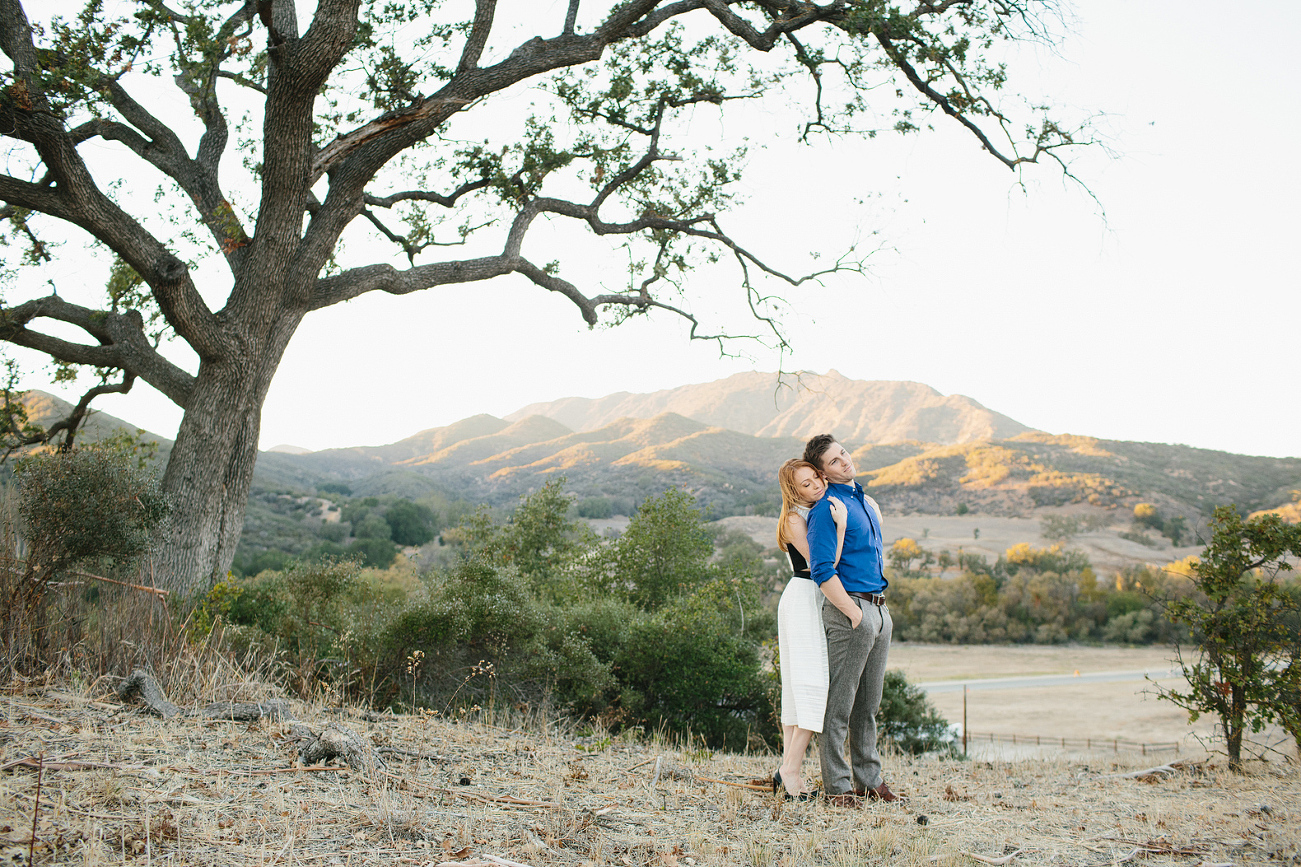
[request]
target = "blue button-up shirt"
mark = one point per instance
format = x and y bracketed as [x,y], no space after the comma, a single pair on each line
[862,563]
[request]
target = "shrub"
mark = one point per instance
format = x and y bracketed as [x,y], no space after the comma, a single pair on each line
[1243,619]
[1051,559]
[262,561]
[308,610]
[1133,627]
[375,553]
[332,531]
[372,526]
[483,612]
[1059,528]
[908,720]
[1146,515]
[664,552]
[595,507]
[409,523]
[93,508]
[689,667]
[89,507]
[1139,537]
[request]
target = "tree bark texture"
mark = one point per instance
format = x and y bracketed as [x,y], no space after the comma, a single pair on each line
[211,465]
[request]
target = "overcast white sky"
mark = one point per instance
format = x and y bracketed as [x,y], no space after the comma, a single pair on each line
[1172,319]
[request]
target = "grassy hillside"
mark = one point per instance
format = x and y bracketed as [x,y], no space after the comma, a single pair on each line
[1035,469]
[798,406]
[613,468]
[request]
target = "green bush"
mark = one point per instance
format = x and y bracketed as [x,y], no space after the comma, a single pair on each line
[248,565]
[689,667]
[375,553]
[333,532]
[93,507]
[372,526]
[595,507]
[409,523]
[309,612]
[483,611]
[1133,627]
[908,720]
[664,552]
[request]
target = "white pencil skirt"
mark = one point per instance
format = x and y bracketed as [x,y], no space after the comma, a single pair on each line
[802,646]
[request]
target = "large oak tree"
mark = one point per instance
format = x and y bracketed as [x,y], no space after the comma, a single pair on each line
[304,123]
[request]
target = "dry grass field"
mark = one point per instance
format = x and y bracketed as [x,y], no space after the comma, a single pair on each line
[99,782]
[1128,710]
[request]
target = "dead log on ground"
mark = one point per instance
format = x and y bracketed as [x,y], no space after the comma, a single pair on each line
[337,742]
[143,684]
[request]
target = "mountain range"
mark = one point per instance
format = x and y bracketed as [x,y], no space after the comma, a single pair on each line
[797,405]
[918,450]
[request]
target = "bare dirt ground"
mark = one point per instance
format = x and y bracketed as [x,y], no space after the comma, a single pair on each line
[102,783]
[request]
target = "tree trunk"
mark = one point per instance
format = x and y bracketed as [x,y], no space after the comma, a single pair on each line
[211,466]
[1234,726]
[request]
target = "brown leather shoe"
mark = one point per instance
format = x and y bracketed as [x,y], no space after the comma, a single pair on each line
[881,793]
[848,800]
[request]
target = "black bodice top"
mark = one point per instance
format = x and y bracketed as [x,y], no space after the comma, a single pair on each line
[799,565]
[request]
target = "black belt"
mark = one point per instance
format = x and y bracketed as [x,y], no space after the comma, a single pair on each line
[804,573]
[875,598]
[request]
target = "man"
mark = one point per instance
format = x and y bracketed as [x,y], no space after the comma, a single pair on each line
[857,624]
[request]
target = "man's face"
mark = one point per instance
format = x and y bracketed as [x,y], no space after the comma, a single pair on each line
[837,465]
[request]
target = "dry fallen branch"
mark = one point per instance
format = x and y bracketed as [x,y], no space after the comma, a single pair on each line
[485,861]
[143,684]
[1005,859]
[1146,775]
[754,787]
[150,770]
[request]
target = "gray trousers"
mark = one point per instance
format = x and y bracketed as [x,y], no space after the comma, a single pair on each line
[856,660]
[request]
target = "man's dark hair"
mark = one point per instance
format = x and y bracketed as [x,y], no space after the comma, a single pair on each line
[815,448]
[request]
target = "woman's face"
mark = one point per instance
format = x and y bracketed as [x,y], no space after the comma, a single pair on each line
[809,485]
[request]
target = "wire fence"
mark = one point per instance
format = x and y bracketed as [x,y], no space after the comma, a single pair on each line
[1114,745]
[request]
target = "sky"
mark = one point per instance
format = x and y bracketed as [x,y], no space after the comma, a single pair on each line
[1165,310]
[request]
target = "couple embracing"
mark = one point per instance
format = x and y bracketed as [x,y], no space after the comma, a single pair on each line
[833,627]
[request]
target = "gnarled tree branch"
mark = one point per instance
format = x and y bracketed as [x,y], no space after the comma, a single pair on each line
[122,342]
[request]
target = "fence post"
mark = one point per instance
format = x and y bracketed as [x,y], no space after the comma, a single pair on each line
[1115,745]
[964,720]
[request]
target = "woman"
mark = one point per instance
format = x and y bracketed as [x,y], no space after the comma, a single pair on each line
[801,642]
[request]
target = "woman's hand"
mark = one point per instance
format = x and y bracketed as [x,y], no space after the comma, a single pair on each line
[838,512]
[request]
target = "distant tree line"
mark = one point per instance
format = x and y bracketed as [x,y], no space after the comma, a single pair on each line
[1047,595]
[281,527]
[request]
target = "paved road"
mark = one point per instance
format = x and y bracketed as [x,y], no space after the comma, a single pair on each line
[939,686]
